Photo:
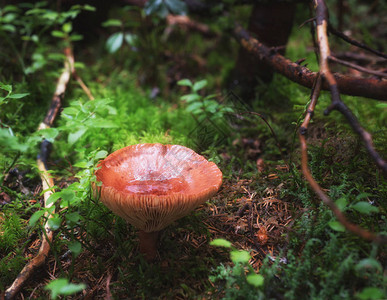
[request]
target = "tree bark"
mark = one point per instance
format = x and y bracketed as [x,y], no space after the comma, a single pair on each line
[271,23]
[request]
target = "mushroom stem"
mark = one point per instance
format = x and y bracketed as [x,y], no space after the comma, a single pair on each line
[148,244]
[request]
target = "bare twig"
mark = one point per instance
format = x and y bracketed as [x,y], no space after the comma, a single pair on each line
[357,67]
[327,201]
[349,85]
[354,42]
[337,104]
[315,186]
[83,86]
[75,75]
[310,20]
[310,110]
[47,180]
[321,13]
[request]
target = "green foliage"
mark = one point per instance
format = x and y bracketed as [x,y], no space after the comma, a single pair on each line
[62,287]
[203,107]
[212,126]
[8,89]
[325,271]
[239,281]
[320,259]
[13,234]
[162,8]
[24,28]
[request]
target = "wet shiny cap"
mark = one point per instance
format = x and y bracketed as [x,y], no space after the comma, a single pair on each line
[152,185]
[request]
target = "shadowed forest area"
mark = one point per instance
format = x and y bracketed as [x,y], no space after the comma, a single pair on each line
[284,103]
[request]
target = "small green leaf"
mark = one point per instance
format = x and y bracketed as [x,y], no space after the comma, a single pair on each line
[185,82]
[240,256]
[6,87]
[76,37]
[114,42]
[89,7]
[365,207]
[54,222]
[112,22]
[190,97]
[255,279]
[337,226]
[62,286]
[75,247]
[50,15]
[101,154]
[199,85]
[8,27]
[35,217]
[53,198]
[70,111]
[18,96]
[67,196]
[73,217]
[342,203]
[75,136]
[81,164]
[130,38]
[49,133]
[79,65]
[58,34]
[363,195]
[194,106]
[67,27]
[221,243]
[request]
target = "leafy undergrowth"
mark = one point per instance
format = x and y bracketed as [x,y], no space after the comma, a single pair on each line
[274,239]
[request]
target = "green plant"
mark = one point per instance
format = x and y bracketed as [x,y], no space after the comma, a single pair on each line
[62,287]
[23,27]
[203,107]
[162,8]
[240,281]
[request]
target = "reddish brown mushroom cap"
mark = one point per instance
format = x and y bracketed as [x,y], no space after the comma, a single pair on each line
[152,185]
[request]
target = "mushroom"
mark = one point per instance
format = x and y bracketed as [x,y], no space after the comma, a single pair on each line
[152,185]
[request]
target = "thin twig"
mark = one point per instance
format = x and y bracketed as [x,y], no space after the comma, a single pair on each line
[47,181]
[354,42]
[337,104]
[310,20]
[83,86]
[315,186]
[321,13]
[357,67]
[311,106]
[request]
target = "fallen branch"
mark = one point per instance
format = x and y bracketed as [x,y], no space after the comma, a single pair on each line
[349,85]
[47,181]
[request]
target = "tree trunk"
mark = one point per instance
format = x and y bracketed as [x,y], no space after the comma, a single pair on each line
[272,24]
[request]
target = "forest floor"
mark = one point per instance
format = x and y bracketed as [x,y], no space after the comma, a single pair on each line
[279,230]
